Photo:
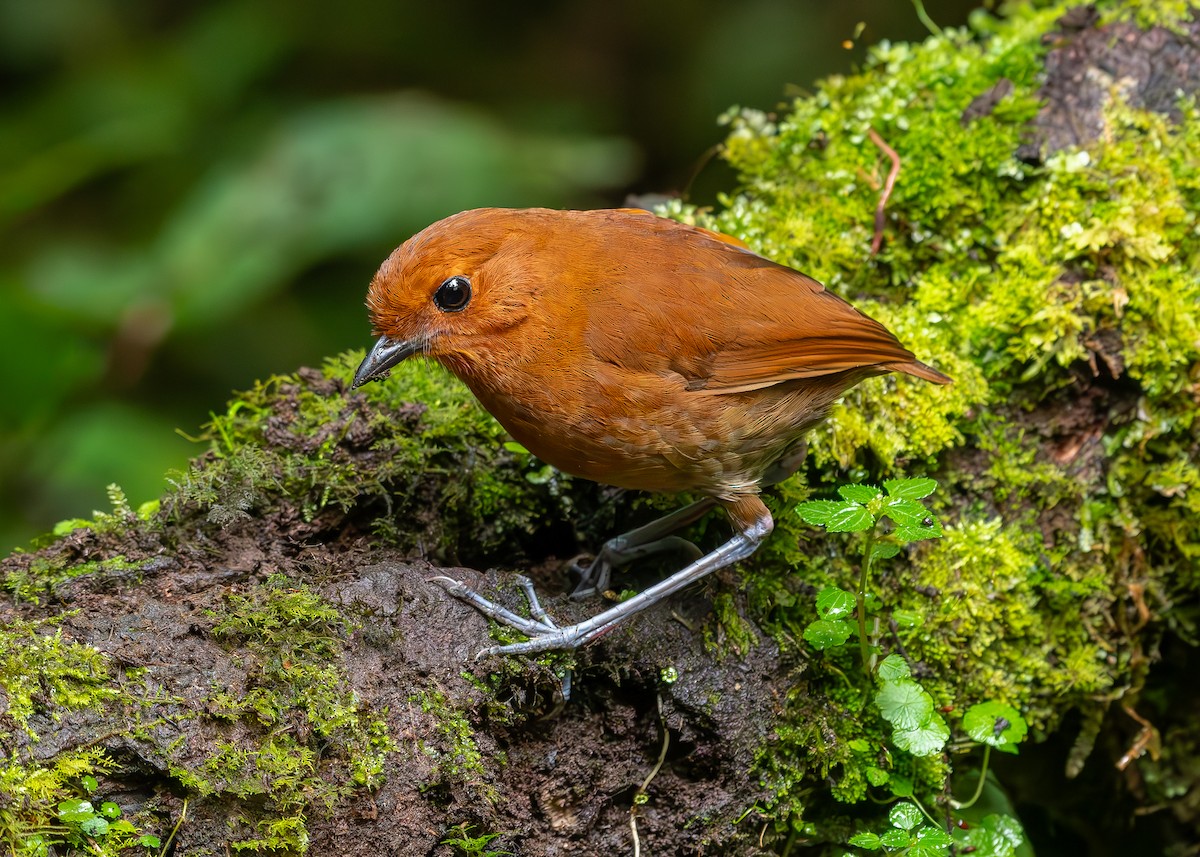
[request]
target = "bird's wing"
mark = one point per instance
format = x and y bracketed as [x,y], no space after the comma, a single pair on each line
[734,321]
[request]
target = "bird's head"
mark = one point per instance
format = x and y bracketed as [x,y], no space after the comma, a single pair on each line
[450,290]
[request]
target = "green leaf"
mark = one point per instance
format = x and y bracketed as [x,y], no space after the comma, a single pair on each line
[905,511]
[149,840]
[896,838]
[75,810]
[906,534]
[867,840]
[884,550]
[834,603]
[910,489]
[901,786]
[997,834]
[110,809]
[995,724]
[892,667]
[835,516]
[89,783]
[877,776]
[859,493]
[1005,827]
[851,519]
[905,815]
[926,740]
[94,826]
[904,703]
[934,837]
[827,633]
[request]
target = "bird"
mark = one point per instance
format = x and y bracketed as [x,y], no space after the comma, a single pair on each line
[632,350]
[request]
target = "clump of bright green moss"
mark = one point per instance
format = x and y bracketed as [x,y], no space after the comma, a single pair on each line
[419,429]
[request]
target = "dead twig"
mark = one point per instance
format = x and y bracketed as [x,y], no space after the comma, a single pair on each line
[888,184]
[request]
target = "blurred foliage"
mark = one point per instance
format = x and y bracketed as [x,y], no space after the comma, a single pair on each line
[194,195]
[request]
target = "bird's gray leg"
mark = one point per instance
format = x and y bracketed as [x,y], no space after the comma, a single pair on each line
[545,637]
[645,541]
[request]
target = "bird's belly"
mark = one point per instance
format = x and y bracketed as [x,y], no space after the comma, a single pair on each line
[718,445]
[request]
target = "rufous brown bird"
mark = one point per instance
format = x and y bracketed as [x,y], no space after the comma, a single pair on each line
[633,350]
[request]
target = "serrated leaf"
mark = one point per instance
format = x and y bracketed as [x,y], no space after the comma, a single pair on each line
[859,493]
[910,489]
[836,516]
[908,534]
[834,603]
[933,837]
[94,826]
[927,740]
[867,840]
[904,815]
[75,810]
[818,511]
[904,703]
[995,724]
[850,519]
[924,849]
[1006,827]
[892,668]
[896,838]
[908,512]
[827,633]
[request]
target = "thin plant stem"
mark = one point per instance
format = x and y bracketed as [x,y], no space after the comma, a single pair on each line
[860,600]
[924,18]
[925,812]
[987,755]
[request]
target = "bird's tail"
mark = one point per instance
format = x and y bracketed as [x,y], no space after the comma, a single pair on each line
[919,370]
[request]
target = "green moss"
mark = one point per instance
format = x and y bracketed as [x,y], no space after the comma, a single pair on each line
[300,689]
[294,438]
[48,809]
[42,672]
[44,575]
[730,633]
[456,754]
[44,676]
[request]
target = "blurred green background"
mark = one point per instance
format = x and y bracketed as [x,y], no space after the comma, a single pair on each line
[194,195]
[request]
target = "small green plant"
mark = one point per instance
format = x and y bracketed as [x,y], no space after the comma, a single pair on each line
[910,832]
[863,508]
[473,846]
[89,827]
[917,726]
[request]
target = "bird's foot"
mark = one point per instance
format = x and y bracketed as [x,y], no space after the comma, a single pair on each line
[543,634]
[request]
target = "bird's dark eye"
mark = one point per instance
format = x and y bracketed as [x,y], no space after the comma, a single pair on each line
[453,295]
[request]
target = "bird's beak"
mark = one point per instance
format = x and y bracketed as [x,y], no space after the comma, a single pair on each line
[385,354]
